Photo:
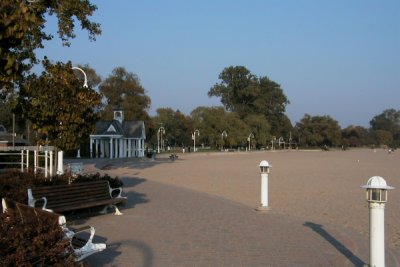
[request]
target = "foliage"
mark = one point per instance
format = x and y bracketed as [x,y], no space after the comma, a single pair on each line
[355,136]
[33,242]
[212,122]
[318,131]
[15,184]
[122,89]
[382,137]
[246,94]
[22,31]
[386,127]
[58,106]
[178,127]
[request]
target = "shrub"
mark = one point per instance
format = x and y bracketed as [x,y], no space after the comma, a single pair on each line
[33,242]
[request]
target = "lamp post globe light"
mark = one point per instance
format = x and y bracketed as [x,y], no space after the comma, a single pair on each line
[194,139]
[376,194]
[264,171]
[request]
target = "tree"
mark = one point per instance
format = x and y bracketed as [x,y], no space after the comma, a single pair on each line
[22,25]
[318,131]
[383,137]
[355,136]
[58,106]
[213,121]
[246,94]
[388,121]
[260,127]
[178,127]
[122,89]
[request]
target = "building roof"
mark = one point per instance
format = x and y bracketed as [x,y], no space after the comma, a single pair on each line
[128,129]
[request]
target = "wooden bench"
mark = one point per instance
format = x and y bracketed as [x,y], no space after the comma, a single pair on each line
[62,198]
[82,247]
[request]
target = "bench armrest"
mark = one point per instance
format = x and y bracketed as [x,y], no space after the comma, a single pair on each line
[32,200]
[89,248]
[114,189]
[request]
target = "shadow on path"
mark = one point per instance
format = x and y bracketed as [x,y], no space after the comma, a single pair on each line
[356,261]
[110,255]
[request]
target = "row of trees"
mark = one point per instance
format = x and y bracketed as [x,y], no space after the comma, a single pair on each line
[55,108]
[63,112]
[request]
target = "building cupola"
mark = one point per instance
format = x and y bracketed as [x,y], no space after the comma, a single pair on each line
[119,115]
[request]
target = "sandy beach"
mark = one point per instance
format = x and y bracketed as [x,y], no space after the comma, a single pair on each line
[321,187]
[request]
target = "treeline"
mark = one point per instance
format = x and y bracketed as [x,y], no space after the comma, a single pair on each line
[49,110]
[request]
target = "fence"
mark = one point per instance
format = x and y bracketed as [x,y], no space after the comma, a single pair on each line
[43,158]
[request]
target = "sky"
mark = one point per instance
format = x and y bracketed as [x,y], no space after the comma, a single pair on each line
[339,58]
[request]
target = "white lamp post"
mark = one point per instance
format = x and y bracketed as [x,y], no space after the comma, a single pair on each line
[251,135]
[194,139]
[264,170]
[376,189]
[85,85]
[84,74]
[223,135]
[160,132]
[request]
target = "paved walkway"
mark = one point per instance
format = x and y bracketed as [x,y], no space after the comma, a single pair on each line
[167,225]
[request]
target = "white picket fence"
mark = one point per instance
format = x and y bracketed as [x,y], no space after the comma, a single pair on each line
[43,158]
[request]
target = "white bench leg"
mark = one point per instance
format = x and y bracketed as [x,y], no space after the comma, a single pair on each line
[117,212]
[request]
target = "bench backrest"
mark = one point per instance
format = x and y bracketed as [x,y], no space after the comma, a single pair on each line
[72,194]
[32,215]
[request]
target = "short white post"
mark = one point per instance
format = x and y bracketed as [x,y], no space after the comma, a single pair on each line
[46,155]
[51,163]
[60,162]
[377,197]
[264,170]
[35,160]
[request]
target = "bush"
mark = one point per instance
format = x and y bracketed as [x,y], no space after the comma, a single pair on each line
[34,242]
[14,184]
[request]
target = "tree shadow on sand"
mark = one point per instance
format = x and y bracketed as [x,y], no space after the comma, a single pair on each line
[356,261]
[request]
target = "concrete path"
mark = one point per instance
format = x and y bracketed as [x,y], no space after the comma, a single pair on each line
[170,225]
[164,225]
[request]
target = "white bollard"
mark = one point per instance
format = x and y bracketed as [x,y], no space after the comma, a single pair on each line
[264,170]
[60,162]
[376,189]
[377,234]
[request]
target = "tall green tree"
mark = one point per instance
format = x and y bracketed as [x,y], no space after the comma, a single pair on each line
[260,128]
[22,32]
[356,136]
[389,122]
[244,93]
[59,107]
[318,131]
[178,127]
[213,121]
[122,89]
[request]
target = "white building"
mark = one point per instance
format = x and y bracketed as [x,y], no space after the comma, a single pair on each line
[118,138]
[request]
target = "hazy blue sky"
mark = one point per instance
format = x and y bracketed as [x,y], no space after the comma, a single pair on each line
[339,58]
